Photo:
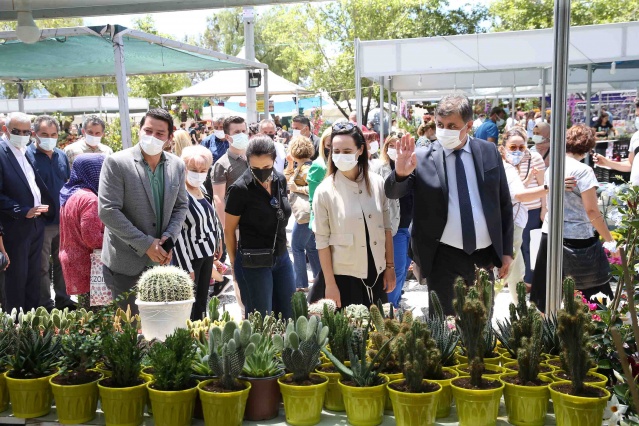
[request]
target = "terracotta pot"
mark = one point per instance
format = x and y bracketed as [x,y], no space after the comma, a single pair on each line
[264,398]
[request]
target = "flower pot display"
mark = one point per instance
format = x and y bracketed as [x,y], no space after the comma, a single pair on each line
[414,409]
[594,379]
[172,408]
[264,398]
[364,405]
[388,405]
[577,410]
[495,360]
[446,395]
[165,299]
[223,407]
[29,397]
[526,405]
[4,393]
[544,370]
[75,404]
[303,404]
[333,400]
[477,407]
[123,406]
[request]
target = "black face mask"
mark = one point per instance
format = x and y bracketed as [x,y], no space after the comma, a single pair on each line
[262,174]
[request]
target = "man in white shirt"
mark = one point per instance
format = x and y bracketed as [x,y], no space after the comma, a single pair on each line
[24,198]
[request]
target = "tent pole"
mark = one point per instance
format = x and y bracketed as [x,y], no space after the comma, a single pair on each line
[358,86]
[123,94]
[381,109]
[543,96]
[588,96]
[267,113]
[249,46]
[513,106]
[20,98]
[554,277]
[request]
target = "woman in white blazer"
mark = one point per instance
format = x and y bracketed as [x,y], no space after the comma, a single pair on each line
[353,224]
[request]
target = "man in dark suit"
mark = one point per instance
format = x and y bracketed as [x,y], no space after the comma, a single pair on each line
[462,214]
[24,198]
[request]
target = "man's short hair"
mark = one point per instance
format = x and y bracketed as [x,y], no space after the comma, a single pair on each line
[497,110]
[264,123]
[218,120]
[159,114]
[454,104]
[234,119]
[17,117]
[92,120]
[637,102]
[47,120]
[303,120]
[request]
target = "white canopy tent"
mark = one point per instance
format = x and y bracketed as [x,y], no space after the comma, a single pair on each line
[75,105]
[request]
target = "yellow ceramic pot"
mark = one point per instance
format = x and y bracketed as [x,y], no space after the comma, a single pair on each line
[29,397]
[303,404]
[223,408]
[575,410]
[414,409]
[508,368]
[446,395]
[123,406]
[388,405]
[364,406]
[492,371]
[103,369]
[477,407]
[600,382]
[526,405]
[4,393]
[172,408]
[506,357]
[333,400]
[75,404]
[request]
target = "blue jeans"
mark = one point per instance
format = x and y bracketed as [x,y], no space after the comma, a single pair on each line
[266,289]
[402,263]
[302,244]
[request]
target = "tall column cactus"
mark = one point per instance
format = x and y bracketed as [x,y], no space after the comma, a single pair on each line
[575,328]
[299,305]
[471,320]
[228,350]
[419,354]
[388,329]
[338,333]
[165,284]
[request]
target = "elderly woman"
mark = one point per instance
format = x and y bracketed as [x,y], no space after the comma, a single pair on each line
[81,230]
[257,205]
[584,257]
[201,237]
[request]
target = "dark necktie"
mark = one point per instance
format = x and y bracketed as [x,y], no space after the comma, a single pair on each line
[465,206]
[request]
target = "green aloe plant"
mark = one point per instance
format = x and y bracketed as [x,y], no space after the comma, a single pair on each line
[445,337]
[36,353]
[228,349]
[301,346]
[552,344]
[123,353]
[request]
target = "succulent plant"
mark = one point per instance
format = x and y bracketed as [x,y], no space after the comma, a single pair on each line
[264,362]
[529,350]
[574,330]
[419,355]
[301,346]
[165,284]
[299,305]
[338,333]
[358,315]
[228,349]
[123,353]
[520,323]
[362,372]
[8,338]
[552,345]
[36,352]
[79,352]
[445,337]
[471,321]
[214,311]
[171,361]
[317,308]
[388,329]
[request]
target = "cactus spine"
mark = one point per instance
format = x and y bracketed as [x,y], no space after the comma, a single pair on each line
[165,284]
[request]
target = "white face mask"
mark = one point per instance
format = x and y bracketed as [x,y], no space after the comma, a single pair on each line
[448,138]
[48,143]
[19,141]
[515,157]
[151,145]
[637,123]
[240,141]
[219,134]
[392,154]
[297,133]
[92,140]
[500,122]
[538,139]
[195,179]
[345,162]
[374,147]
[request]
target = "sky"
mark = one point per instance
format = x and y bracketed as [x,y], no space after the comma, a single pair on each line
[192,23]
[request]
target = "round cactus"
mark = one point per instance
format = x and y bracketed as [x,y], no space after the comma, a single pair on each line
[165,284]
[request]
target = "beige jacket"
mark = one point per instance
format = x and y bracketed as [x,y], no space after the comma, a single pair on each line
[341,206]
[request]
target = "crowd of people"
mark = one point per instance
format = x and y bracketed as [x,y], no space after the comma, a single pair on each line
[465,195]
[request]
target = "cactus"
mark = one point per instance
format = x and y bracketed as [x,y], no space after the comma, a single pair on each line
[299,305]
[419,355]
[228,349]
[445,338]
[388,329]
[301,346]
[529,351]
[358,315]
[165,284]
[574,330]
[520,324]
[471,320]
[317,308]
[338,333]
[214,312]
[362,372]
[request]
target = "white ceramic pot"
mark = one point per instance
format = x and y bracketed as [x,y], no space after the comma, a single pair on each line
[159,319]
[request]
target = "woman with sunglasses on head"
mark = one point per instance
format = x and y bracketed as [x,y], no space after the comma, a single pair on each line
[257,203]
[353,224]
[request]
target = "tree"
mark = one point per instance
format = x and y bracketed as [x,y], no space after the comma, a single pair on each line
[515,15]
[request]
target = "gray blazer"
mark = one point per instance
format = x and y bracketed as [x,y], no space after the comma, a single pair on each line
[126,207]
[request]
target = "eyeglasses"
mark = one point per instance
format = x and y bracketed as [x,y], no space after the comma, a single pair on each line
[343,126]
[514,148]
[19,132]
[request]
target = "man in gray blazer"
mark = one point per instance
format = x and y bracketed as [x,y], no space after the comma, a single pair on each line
[142,201]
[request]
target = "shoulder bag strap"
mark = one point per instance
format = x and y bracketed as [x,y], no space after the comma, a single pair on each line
[277,227]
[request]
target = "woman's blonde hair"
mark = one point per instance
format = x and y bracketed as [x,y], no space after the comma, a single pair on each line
[301,147]
[182,140]
[384,154]
[197,155]
[326,135]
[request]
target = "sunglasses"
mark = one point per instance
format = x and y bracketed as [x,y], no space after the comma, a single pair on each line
[515,148]
[343,126]
[19,132]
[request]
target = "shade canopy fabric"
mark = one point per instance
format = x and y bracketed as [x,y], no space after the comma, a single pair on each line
[88,52]
[75,105]
[233,83]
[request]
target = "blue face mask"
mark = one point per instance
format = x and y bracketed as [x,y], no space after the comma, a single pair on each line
[515,157]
